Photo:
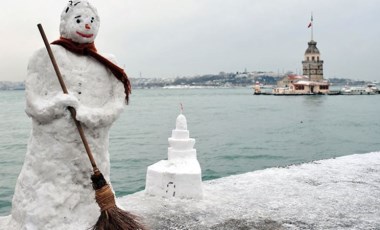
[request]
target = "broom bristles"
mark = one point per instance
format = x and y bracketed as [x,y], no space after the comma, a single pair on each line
[117,219]
[112,217]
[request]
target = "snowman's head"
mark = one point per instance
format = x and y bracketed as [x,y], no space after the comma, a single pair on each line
[79,22]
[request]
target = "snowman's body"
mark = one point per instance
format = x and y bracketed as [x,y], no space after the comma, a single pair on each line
[54,189]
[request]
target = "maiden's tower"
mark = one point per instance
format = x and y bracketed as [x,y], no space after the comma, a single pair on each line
[311,82]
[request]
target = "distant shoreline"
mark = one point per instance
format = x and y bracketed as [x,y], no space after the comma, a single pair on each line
[221,80]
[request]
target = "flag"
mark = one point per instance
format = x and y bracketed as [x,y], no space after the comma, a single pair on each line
[311,21]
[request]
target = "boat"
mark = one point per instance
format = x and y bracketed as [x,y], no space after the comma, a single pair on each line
[373,87]
[260,89]
[370,89]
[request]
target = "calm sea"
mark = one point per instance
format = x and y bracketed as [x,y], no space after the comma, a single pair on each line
[235,132]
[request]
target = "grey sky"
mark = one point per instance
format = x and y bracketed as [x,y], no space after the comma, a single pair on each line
[169,38]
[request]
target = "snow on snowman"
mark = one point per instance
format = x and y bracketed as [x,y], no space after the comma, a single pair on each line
[54,190]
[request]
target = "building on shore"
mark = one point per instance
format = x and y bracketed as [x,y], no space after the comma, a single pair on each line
[311,82]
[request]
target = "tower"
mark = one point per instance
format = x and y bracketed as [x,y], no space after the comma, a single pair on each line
[312,63]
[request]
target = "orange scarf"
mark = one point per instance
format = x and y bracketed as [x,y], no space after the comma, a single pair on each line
[88,49]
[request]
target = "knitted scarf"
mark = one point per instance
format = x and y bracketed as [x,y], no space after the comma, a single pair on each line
[88,49]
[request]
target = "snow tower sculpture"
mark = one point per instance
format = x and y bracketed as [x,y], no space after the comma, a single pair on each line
[54,190]
[180,175]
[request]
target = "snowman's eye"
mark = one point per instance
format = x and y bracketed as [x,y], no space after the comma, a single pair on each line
[92,19]
[78,19]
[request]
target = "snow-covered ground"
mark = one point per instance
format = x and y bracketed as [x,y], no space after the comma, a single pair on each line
[341,193]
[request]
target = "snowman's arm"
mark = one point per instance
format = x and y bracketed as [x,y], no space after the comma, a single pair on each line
[44,98]
[107,114]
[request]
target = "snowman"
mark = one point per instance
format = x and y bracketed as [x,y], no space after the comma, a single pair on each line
[54,190]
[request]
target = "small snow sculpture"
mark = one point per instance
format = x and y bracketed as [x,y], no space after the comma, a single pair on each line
[180,175]
[181,123]
[54,189]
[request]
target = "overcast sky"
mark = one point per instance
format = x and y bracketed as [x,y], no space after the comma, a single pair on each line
[169,38]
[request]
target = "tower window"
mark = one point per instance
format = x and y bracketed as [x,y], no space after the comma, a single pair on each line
[307,58]
[312,58]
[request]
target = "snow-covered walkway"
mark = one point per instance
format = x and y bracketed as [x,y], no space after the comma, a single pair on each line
[341,193]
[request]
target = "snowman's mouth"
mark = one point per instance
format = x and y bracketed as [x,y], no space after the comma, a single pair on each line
[85,35]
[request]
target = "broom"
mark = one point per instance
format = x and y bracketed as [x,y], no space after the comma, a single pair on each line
[111,217]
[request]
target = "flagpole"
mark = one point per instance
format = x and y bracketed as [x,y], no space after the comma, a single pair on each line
[312,25]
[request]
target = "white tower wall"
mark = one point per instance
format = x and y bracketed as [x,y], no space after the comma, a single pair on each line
[180,175]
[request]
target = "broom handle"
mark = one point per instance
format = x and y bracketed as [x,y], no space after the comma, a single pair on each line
[71,109]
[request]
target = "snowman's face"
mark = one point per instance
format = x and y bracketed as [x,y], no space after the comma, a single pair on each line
[80,25]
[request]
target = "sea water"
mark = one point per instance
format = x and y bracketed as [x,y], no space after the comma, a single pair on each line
[235,132]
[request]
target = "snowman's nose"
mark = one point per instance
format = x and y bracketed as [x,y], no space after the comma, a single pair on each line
[87,26]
